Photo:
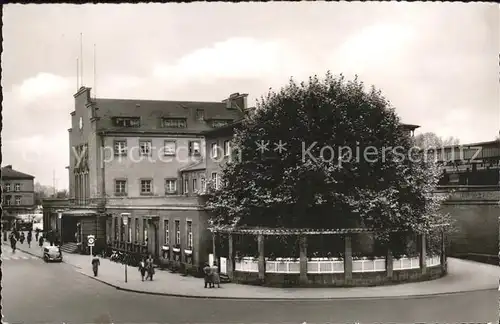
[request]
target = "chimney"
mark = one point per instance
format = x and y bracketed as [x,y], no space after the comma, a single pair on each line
[237,101]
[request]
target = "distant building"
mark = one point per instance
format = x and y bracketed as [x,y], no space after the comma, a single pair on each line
[18,194]
[125,183]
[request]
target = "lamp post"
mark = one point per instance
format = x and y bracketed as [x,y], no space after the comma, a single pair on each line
[125,222]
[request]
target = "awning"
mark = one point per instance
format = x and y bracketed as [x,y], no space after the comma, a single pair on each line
[79,213]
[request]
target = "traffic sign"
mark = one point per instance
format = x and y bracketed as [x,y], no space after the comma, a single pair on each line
[90,240]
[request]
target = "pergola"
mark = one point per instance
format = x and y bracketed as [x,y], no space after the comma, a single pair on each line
[303,233]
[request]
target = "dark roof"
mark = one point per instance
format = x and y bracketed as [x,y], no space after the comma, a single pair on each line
[224,130]
[9,173]
[151,111]
[410,126]
[199,165]
[495,143]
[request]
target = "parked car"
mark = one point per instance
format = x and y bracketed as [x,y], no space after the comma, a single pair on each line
[52,253]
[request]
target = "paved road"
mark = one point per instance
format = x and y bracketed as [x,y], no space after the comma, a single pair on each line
[35,292]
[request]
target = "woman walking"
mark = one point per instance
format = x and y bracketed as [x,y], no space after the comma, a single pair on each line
[142,268]
[215,275]
[150,268]
[22,238]
[29,238]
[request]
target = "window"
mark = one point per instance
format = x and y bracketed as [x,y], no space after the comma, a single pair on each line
[145,147]
[120,187]
[127,121]
[215,180]
[216,123]
[116,228]
[18,200]
[195,185]
[145,230]
[200,114]
[203,184]
[170,186]
[194,148]
[120,148]
[137,230]
[129,238]
[8,201]
[186,184]
[146,187]
[7,187]
[174,122]
[17,187]
[215,150]
[122,230]
[177,233]
[169,147]
[227,148]
[167,232]
[189,234]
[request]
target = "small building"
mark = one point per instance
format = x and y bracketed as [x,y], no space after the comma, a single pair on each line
[18,194]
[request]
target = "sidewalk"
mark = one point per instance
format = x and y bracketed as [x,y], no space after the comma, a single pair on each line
[462,276]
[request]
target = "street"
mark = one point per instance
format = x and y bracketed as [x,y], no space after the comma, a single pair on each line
[36,292]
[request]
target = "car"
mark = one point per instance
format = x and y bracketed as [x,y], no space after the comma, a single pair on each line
[52,253]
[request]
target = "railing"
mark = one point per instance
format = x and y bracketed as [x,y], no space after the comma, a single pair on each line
[325,266]
[249,264]
[365,265]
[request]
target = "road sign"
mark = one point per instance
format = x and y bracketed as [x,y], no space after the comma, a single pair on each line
[90,240]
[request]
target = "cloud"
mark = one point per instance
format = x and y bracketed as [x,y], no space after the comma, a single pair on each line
[233,58]
[42,86]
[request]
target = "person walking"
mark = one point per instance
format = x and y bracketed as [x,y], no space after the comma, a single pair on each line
[150,268]
[95,264]
[142,268]
[22,238]
[29,238]
[13,242]
[207,275]
[215,275]
[40,241]
[37,232]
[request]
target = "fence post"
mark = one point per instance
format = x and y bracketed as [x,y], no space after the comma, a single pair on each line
[348,260]
[262,260]
[303,259]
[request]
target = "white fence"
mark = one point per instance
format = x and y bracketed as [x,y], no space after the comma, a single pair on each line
[365,265]
[316,266]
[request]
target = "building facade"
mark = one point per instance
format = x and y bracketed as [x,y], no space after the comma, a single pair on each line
[126,159]
[18,194]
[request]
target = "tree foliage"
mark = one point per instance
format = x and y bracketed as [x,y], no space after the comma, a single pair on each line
[431,140]
[393,187]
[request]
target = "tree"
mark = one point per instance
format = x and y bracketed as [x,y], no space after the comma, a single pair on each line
[431,140]
[312,183]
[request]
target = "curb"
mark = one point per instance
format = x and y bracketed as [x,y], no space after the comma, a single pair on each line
[280,299]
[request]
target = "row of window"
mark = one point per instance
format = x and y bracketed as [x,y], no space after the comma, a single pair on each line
[170,148]
[17,187]
[146,148]
[169,122]
[170,185]
[121,230]
[8,200]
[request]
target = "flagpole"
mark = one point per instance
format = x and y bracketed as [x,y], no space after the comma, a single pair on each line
[81,57]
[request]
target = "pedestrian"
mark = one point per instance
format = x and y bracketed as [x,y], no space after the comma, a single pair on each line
[95,264]
[150,268]
[22,238]
[29,238]
[13,242]
[215,275]
[40,241]
[142,268]
[37,232]
[207,275]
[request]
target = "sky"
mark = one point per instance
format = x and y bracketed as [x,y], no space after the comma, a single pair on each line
[437,63]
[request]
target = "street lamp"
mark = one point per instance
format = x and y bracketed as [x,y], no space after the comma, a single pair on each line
[125,217]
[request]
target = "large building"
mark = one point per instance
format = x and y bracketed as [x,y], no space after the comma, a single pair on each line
[18,194]
[126,158]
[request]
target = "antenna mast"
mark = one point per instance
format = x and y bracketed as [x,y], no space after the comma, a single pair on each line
[95,87]
[77,75]
[81,57]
